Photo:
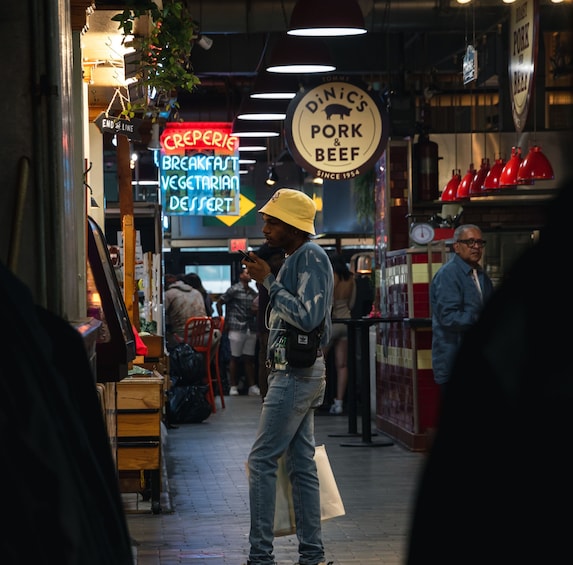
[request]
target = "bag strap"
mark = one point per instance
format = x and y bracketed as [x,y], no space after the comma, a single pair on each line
[319,328]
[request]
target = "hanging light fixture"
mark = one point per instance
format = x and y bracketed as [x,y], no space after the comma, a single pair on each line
[326,18]
[245,147]
[479,178]
[300,55]
[508,175]
[364,263]
[491,181]
[450,191]
[262,110]
[255,129]
[534,167]
[272,177]
[271,86]
[464,186]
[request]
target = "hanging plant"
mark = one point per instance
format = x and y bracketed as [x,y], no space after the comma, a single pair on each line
[365,198]
[163,62]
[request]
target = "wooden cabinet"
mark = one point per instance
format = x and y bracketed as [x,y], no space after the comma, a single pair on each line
[139,414]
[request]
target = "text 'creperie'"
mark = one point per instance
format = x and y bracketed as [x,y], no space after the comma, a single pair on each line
[184,139]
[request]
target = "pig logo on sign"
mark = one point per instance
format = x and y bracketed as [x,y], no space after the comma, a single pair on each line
[337,109]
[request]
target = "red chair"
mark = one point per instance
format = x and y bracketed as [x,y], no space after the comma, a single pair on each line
[199,334]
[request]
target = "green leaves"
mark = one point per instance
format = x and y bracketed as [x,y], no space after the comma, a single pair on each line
[165,63]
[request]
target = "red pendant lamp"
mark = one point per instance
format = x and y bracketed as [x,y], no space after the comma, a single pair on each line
[508,176]
[451,189]
[534,167]
[464,186]
[476,185]
[492,179]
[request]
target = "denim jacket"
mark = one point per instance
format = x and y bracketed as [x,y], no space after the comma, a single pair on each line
[456,304]
[301,294]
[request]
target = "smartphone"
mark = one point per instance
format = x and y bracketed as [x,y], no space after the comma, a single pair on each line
[246,256]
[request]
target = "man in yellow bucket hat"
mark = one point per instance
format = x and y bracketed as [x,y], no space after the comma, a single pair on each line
[299,295]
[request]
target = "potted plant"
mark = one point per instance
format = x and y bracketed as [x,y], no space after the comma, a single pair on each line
[163,37]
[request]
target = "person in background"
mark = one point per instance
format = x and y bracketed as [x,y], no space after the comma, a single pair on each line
[343,301]
[275,258]
[510,393]
[194,280]
[180,302]
[241,327]
[457,293]
[301,295]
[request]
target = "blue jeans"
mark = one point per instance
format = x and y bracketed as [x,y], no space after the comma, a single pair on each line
[287,424]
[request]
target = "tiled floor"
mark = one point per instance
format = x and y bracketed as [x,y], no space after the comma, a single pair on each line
[205,510]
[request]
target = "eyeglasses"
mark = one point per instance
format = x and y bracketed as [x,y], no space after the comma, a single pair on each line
[473,242]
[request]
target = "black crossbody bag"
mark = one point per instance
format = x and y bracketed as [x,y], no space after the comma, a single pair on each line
[302,347]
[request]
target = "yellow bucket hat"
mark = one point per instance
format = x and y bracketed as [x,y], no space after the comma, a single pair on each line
[293,207]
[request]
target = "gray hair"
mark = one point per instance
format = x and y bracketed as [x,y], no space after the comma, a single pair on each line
[458,232]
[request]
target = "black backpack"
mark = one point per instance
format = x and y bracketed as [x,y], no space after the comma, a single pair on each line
[186,366]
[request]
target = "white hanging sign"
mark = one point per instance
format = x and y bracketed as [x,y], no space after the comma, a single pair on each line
[523,43]
[470,64]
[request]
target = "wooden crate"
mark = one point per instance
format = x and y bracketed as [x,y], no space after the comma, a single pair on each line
[135,458]
[137,424]
[141,393]
[139,410]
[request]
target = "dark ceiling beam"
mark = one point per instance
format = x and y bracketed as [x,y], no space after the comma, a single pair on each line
[373,53]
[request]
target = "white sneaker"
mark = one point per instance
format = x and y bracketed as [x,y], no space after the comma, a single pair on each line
[254,391]
[336,407]
[233,391]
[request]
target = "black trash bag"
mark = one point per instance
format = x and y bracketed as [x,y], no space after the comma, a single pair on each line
[188,404]
[186,366]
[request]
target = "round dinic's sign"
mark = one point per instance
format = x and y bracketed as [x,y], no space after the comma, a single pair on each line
[336,130]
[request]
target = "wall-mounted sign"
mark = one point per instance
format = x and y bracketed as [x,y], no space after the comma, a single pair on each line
[336,130]
[238,244]
[199,169]
[523,43]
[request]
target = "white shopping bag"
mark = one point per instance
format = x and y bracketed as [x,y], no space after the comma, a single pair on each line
[331,504]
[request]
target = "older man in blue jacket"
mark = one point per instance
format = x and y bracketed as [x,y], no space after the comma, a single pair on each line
[457,293]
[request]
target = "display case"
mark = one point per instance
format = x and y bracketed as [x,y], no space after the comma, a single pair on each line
[115,347]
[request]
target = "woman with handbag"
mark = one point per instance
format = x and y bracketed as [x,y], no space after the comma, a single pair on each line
[301,296]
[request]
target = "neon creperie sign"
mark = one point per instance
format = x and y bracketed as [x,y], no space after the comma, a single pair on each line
[199,169]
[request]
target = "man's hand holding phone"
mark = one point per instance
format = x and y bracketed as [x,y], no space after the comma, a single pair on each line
[246,256]
[257,267]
